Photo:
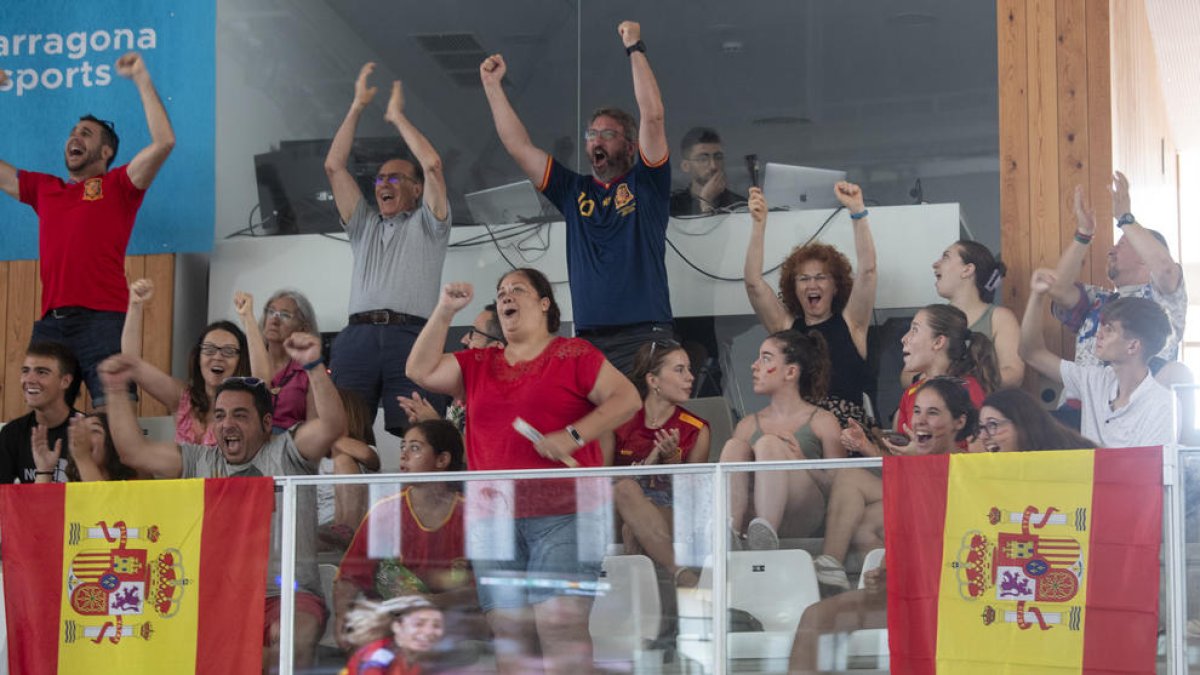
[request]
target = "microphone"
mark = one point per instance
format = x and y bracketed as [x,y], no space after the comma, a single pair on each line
[752,169]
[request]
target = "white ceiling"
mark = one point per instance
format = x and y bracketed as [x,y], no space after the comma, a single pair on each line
[1175,28]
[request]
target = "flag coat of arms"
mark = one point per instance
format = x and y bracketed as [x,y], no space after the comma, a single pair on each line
[127,577]
[1043,562]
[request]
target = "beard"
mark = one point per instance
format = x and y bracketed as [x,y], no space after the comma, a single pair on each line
[74,163]
[615,164]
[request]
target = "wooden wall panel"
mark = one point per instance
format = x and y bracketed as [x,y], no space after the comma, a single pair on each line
[20,307]
[1053,89]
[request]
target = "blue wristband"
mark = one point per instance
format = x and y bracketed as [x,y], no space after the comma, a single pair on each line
[1126,219]
[860,215]
[313,364]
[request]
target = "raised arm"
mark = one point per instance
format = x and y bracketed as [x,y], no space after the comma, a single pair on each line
[769,308]
[145,165]
[80,441]
[345,190]
[8,172]
[159,385]
[652,130]
[509,127]
[1165,273]
[140,293]
[1006,336]
[156,458]
[1033,343]
[861,303]
[316,437]
[260,360]
[428,366]
[434,191]
[1064,292]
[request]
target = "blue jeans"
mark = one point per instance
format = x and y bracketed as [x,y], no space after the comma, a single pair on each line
[369,360]
[91,336]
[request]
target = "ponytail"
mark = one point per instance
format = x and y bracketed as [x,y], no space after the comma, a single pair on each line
[810,352]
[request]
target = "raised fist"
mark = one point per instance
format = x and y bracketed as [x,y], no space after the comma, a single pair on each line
[456,295]
[303,348]
[243,304]
[850,195]
[630,32]
[131,65]
[141,291]
[492,70]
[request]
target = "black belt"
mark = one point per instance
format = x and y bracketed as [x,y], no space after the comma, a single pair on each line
[67,312]
[609,331]
[386,317]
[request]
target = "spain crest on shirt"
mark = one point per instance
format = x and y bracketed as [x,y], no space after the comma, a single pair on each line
[623,196]
[93,189]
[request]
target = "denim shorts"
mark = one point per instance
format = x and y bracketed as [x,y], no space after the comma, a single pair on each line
[526,561]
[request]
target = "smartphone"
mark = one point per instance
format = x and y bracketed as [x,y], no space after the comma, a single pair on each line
[896,438]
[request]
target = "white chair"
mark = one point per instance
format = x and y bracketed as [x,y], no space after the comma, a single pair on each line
[868,647]
[328,572]
[774,587]
[627,612]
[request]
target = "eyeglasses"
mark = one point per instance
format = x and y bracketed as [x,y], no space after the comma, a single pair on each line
[993,425]
[606,134]
[706,157]
[252,382]
[393,178]
[281,314]
[228,351]
[819,278]
[472,332]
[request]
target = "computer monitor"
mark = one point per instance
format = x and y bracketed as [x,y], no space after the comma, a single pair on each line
[800,187]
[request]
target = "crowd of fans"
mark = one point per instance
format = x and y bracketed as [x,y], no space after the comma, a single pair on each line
[260,399]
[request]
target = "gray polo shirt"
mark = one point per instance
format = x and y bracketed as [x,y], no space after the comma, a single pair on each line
[279,457]
[402,272]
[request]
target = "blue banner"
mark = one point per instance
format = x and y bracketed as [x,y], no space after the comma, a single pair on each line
[60,57]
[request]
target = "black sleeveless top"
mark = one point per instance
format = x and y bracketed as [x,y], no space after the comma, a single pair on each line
[849,374]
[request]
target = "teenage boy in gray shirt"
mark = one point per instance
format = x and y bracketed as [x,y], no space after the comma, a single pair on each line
[399,246]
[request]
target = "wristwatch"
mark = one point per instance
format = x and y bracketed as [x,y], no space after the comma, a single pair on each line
[638,46]
[1125,219]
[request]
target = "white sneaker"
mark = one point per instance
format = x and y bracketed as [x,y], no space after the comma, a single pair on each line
[760,536]
[830,572]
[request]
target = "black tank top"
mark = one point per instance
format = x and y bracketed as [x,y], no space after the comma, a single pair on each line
[849,375]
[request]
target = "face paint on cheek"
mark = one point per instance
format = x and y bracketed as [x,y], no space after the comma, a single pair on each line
[771,371]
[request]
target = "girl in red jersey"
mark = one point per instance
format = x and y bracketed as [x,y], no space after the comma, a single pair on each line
[416,626]
[662,432]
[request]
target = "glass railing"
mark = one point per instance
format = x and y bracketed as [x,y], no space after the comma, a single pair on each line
[638,569]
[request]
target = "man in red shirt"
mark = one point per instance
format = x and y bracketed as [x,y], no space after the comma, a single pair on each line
[84,225]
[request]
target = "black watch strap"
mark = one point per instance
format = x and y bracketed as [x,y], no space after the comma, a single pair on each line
[638,46]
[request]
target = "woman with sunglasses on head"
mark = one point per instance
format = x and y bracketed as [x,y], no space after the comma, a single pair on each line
[1012,420]
[287,311]
[968,276]
[568,396]
[221,352]
[793,370]
[819,291]
[662,432]
[943,419]
[937,343]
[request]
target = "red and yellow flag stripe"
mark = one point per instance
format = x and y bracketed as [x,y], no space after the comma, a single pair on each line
[1033,562]
[136,577]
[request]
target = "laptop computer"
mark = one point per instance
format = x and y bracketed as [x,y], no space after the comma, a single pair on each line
[509,204]
[800,187]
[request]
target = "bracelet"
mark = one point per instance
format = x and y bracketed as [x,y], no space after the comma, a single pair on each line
[1126,219]
[576,435]
[860,215]
[1082,238]
[638,46]
[314,363]
[43,473]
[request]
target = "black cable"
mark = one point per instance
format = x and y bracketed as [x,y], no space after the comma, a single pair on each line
[770,271]
[497,245]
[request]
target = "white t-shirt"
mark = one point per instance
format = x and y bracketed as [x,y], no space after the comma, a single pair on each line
[1144,420]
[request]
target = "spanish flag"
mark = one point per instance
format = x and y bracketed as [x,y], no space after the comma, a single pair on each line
[1032,562]
[133,577]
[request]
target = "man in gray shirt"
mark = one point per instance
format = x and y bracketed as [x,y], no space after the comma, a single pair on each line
[399,246]
[246,447]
